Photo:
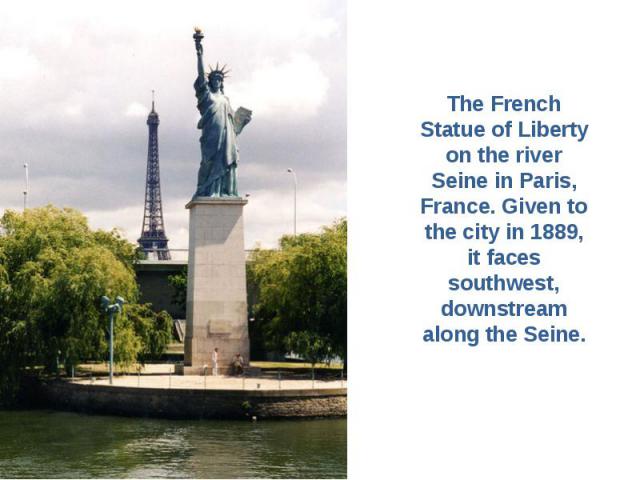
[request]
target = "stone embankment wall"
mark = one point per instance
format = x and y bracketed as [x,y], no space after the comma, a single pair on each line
[182,403]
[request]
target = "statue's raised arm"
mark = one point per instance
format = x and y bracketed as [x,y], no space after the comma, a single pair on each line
[197,37]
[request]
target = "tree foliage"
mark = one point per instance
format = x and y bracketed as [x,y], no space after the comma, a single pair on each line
[313,346]
[12,335]
[302,293]
[53,271]
[179,284]
[154,329]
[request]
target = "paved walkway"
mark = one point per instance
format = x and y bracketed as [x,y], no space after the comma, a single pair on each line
[221,382]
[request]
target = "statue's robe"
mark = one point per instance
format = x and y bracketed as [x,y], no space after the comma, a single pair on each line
[217,174]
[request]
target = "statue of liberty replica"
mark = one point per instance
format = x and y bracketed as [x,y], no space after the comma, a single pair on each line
[220,126]
[217,322]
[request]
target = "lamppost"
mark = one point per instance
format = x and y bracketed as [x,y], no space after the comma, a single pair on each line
[26,184]
[295,201]
[111,309]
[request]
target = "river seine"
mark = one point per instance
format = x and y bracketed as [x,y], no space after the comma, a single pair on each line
[42,443]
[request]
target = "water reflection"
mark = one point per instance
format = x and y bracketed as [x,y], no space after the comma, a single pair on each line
[57,444]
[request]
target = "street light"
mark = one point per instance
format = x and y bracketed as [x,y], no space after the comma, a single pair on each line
[295,194]
[111,310]
[26,184]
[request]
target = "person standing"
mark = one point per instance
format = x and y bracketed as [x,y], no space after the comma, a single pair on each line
[214,361]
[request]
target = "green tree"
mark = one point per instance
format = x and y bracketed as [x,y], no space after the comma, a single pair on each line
[11,340]
[53,271]
[153,328]
[312,346]
[57,269]
[179,284]
[301,293]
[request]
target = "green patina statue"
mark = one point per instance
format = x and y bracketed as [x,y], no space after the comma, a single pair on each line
[220,125]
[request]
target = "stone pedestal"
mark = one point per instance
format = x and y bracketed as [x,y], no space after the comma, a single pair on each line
[216,286]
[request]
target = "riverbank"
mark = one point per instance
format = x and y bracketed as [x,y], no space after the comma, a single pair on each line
[172,396]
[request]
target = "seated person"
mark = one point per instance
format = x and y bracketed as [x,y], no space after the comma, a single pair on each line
[238,365]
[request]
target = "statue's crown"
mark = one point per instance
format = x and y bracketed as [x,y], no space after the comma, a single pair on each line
[221,72]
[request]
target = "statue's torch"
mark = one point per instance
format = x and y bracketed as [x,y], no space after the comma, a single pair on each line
[198,36]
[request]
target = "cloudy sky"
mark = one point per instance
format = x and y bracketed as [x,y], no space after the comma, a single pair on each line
[75,91]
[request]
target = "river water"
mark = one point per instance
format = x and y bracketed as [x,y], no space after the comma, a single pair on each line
[42,443]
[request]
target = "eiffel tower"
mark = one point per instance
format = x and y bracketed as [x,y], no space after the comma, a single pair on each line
[153,241]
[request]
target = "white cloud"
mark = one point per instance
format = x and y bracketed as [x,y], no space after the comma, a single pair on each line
[74,110]
[268,216]
[17,63]
[322,28]
[129,221]
[295,87]
[136,109]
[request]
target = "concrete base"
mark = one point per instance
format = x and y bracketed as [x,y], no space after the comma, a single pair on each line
[216,285]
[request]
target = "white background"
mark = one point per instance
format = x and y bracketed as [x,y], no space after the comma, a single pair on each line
[522,410]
